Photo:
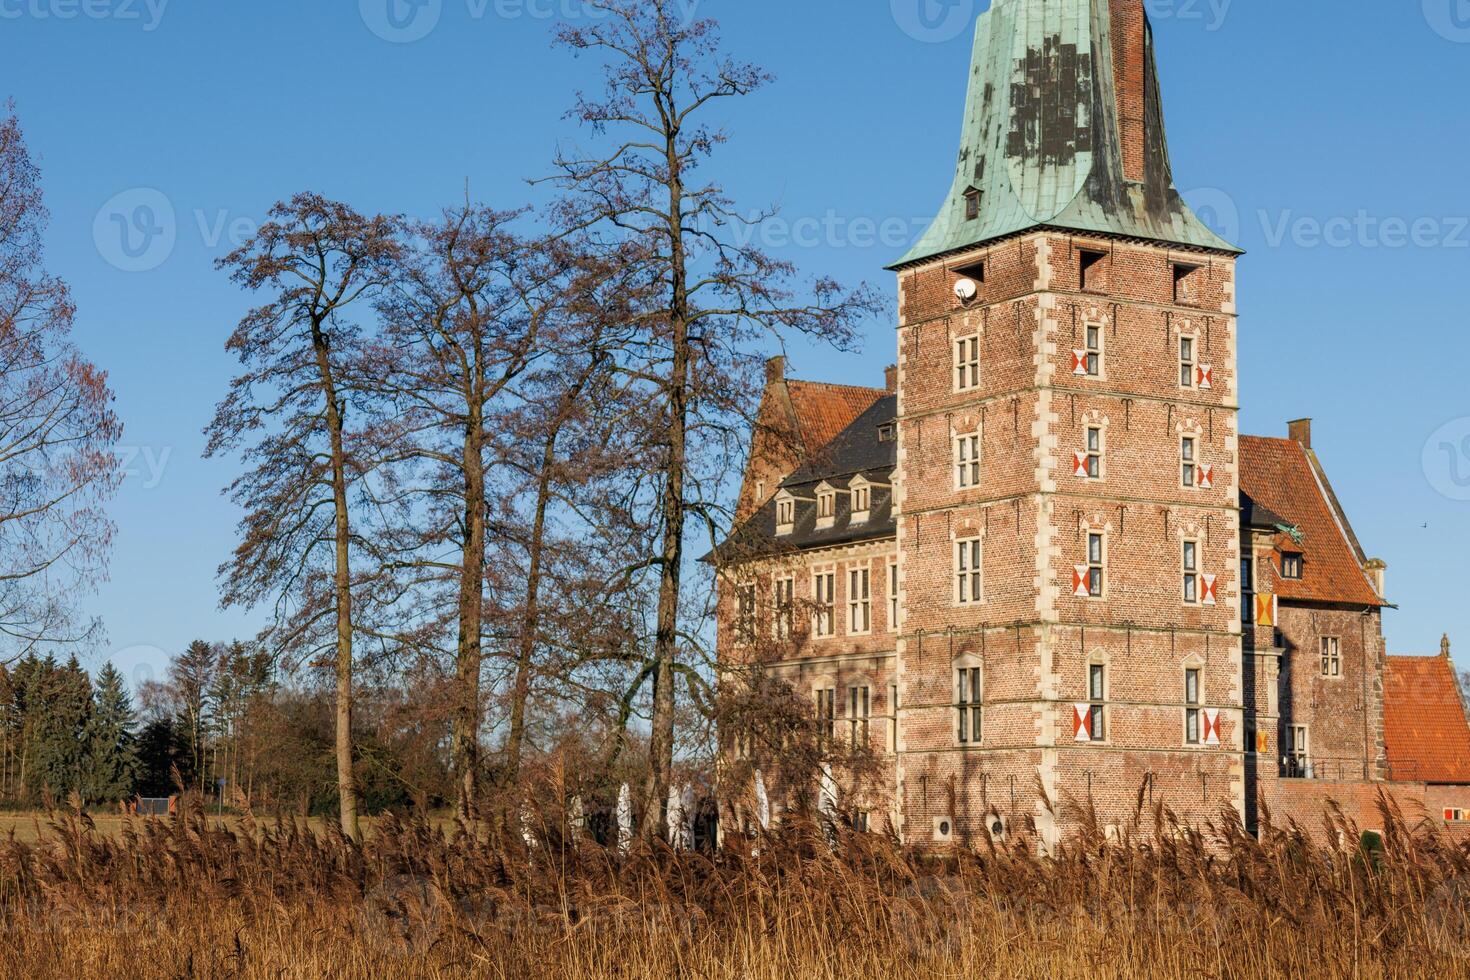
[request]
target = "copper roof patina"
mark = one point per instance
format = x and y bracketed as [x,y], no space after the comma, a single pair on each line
[1041,141]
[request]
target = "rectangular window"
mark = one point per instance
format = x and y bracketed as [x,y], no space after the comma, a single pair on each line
[824,588]
[1094,351]
[1331,656]
[1192,707]
[862,500]
[1094,453]
[859,601]
[1095,564]
[968,705]
[745,614]
[1291,565]
[785,513]
[1187,280]
[967,363]
[785,607]
[1187,461]
[1298,760]
[967,568]
[1191,572]
[826,713]
[893,597]
[859,714]
[967,461]
[1248,590]
[1186,362]
[1093,269]
[826,505]
[972,204]
[893,718]
[1097,695]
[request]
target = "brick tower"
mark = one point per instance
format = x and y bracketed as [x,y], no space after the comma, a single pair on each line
[1067,489]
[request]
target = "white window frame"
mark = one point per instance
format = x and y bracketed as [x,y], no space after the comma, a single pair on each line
[1193,705]
[1092,344]
[1189,461]
[747,599]
[1188,360]
[966,363]
[1095,448]
[785,513]
[862,501]
[969,702]
[1097,697]
[893,606]
[1331,649]
[825,697]
[967,461]
[859,714]
[826,506]
[1097,565]
[784,606]
[1190,561]
[859,600]
[969,571]
[824,604]
[1299,748]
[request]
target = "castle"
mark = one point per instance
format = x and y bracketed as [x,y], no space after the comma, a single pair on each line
[1041,576]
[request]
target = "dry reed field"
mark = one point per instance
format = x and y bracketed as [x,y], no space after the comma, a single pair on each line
[185,897]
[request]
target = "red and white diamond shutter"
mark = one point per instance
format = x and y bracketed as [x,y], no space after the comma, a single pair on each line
[1079,465]
[1209,595]
[1081,582]
[1205,379]
[1079,362]
[1082,722]
[1206,477]
[1211,717]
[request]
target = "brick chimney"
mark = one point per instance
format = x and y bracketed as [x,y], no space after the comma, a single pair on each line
[890,378]
[1130,68]
[775,370]
[1301,431]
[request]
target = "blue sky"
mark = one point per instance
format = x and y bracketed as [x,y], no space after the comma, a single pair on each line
[1329,140]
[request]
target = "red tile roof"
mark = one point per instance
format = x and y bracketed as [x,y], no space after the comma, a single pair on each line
[823,411]
[1424,721]
[1284,477]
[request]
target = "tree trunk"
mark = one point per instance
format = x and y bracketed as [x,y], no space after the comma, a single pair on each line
[661,742]
[531,622]
[466,750]
[346,780]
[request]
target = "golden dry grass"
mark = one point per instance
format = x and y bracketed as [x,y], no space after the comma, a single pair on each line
[182,898]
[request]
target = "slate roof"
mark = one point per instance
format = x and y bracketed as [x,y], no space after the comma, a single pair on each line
[1286,478]
[1040,139]
[1424,724]
[857,449]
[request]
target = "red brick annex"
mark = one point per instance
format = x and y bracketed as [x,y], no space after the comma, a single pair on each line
[1041,563]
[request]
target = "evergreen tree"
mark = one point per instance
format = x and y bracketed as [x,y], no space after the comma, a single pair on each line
[60,709]
[112,767]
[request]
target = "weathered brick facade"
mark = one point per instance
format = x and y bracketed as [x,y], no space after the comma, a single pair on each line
[1087,595]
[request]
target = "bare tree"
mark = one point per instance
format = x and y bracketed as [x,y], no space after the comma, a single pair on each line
[714,300]
[57,428]
[301,353]
[465,320]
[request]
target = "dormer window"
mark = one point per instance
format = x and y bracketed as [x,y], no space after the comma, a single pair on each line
[973,198]
[862,501]
[1092,270]
[785,514]
[1291,565]
[1187,282]
[888,432]
[826,506]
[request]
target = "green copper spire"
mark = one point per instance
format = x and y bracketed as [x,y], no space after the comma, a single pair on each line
[1064,128]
